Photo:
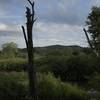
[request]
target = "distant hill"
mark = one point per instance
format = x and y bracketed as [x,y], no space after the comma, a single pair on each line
[59,49]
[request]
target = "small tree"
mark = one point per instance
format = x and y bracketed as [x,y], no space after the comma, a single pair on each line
[30,16]
[93,24]
[9,50]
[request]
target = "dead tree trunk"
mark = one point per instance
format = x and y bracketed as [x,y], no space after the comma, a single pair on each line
[29,43]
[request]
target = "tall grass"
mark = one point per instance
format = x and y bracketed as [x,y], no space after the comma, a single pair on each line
[16,64]
[14,86]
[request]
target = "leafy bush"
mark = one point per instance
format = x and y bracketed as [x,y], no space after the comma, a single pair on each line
[74,68]
[51,88]
[9,50]
[14,86]
[94,82]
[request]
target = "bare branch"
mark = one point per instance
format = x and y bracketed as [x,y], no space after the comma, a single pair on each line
[33,12]
[33,3]
[25,36]
[30,2]
[94,50]
[28,11]
[87,38]
[34,20]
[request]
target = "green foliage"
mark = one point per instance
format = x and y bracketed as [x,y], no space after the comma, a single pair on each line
[69,65]
[59,50]
[76,69]
[9,50]
[93,23]
[94,82]
[53,89]
[16,64]
[14,86]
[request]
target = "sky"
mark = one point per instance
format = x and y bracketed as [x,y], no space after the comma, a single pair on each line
[59,22]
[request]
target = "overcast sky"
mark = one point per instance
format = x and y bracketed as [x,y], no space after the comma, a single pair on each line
[59,21]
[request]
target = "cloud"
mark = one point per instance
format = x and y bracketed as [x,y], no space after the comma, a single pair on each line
[95,3]
[55,28]
[54,33]
[45,34]
[3,26]
[63,11]
[10,30]
[9,27]
[59,21]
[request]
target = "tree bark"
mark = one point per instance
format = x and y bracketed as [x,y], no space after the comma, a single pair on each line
[31,67]
[29,44]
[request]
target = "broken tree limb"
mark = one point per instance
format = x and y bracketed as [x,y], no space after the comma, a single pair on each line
[33,12]
[25,37]
[30,2]
[89,42]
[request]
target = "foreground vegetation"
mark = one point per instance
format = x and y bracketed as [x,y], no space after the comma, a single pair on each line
[64,73]
[14,86]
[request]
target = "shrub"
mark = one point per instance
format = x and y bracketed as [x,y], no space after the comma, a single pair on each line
[14,86]
[94,82]
[51,88]
[76,69]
